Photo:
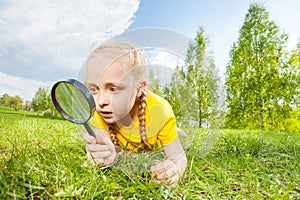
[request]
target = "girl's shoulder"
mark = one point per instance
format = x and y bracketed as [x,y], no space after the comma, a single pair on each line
[154,100]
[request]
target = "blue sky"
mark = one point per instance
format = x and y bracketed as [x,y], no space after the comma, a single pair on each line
[46,41]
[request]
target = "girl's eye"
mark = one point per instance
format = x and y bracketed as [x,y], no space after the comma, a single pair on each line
[93,90]
[114,89]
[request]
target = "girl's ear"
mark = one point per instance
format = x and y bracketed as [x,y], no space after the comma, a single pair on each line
[141,88]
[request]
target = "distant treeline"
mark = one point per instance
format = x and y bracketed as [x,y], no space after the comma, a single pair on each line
[41,103]
[15,102]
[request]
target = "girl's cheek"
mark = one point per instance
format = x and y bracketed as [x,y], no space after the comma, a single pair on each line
[97,108]
[119,100]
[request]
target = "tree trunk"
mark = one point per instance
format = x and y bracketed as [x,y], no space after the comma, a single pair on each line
[271,119]
[261,115]
[200,112]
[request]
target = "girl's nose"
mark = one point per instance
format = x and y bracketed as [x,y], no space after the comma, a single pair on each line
[102,99]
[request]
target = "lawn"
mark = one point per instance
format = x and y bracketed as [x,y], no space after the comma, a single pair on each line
[44,158]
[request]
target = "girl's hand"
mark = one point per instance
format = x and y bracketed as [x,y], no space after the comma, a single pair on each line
[100,150]
[172,169]
[166,172]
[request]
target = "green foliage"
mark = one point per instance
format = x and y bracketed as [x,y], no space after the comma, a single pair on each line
[260,84]
[43,158]
[42,103]
[5,100]
[294,64]
[155,85]
[173,93]
[15,102]
[41,100]
[196,85]
[292,124]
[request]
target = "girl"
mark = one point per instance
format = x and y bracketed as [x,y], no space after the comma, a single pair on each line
[129,116]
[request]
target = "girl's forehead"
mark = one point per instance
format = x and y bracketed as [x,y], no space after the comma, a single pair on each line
[103,60]
[102,69]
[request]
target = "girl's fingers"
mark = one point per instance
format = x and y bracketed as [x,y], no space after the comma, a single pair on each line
[167,173]
[101,137]
[100,150]
[101,155]
[162,168]
[96,147]
[109,160]
[94,161]
[173,181]
[89,139]
[100,158]
[99,161]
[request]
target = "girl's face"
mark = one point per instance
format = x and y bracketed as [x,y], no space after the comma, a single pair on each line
[113,87]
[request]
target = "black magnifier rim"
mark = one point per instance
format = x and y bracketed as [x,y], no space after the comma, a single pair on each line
[86,93]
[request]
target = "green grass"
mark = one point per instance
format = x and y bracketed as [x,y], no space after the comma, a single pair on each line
[44,158]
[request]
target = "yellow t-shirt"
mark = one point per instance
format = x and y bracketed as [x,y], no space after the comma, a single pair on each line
[160,125]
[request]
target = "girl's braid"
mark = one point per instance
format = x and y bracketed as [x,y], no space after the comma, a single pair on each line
[112,132]
[141,116]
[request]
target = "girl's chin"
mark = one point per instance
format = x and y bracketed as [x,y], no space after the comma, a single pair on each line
[109,121]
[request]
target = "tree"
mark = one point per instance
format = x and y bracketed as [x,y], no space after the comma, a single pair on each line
[257,76]
[196,84]
[5,100]
[173,93]
[16,102]
[40,102]
[51,110]
[155,85]
[294,65]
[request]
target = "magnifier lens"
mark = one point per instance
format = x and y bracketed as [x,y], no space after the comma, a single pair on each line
[73,102]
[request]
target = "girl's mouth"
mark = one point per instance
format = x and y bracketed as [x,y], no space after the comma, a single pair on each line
[105,114]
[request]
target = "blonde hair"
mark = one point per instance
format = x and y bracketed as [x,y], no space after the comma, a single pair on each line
[137,64]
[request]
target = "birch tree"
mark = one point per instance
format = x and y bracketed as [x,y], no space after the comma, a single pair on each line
[257,75]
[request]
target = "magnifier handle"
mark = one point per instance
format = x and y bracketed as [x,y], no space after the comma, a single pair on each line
[89,130]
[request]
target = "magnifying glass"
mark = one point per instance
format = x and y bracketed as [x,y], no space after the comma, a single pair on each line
[74,102]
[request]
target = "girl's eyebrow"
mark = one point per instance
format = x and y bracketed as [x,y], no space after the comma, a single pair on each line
[108,84]
[115,84]
[91,84]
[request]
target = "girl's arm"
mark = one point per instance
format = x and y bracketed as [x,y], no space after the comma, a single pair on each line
[172,169]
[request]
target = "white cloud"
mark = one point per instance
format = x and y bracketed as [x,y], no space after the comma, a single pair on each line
[163,58]
[162,64]
[49,40]
[14,85]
